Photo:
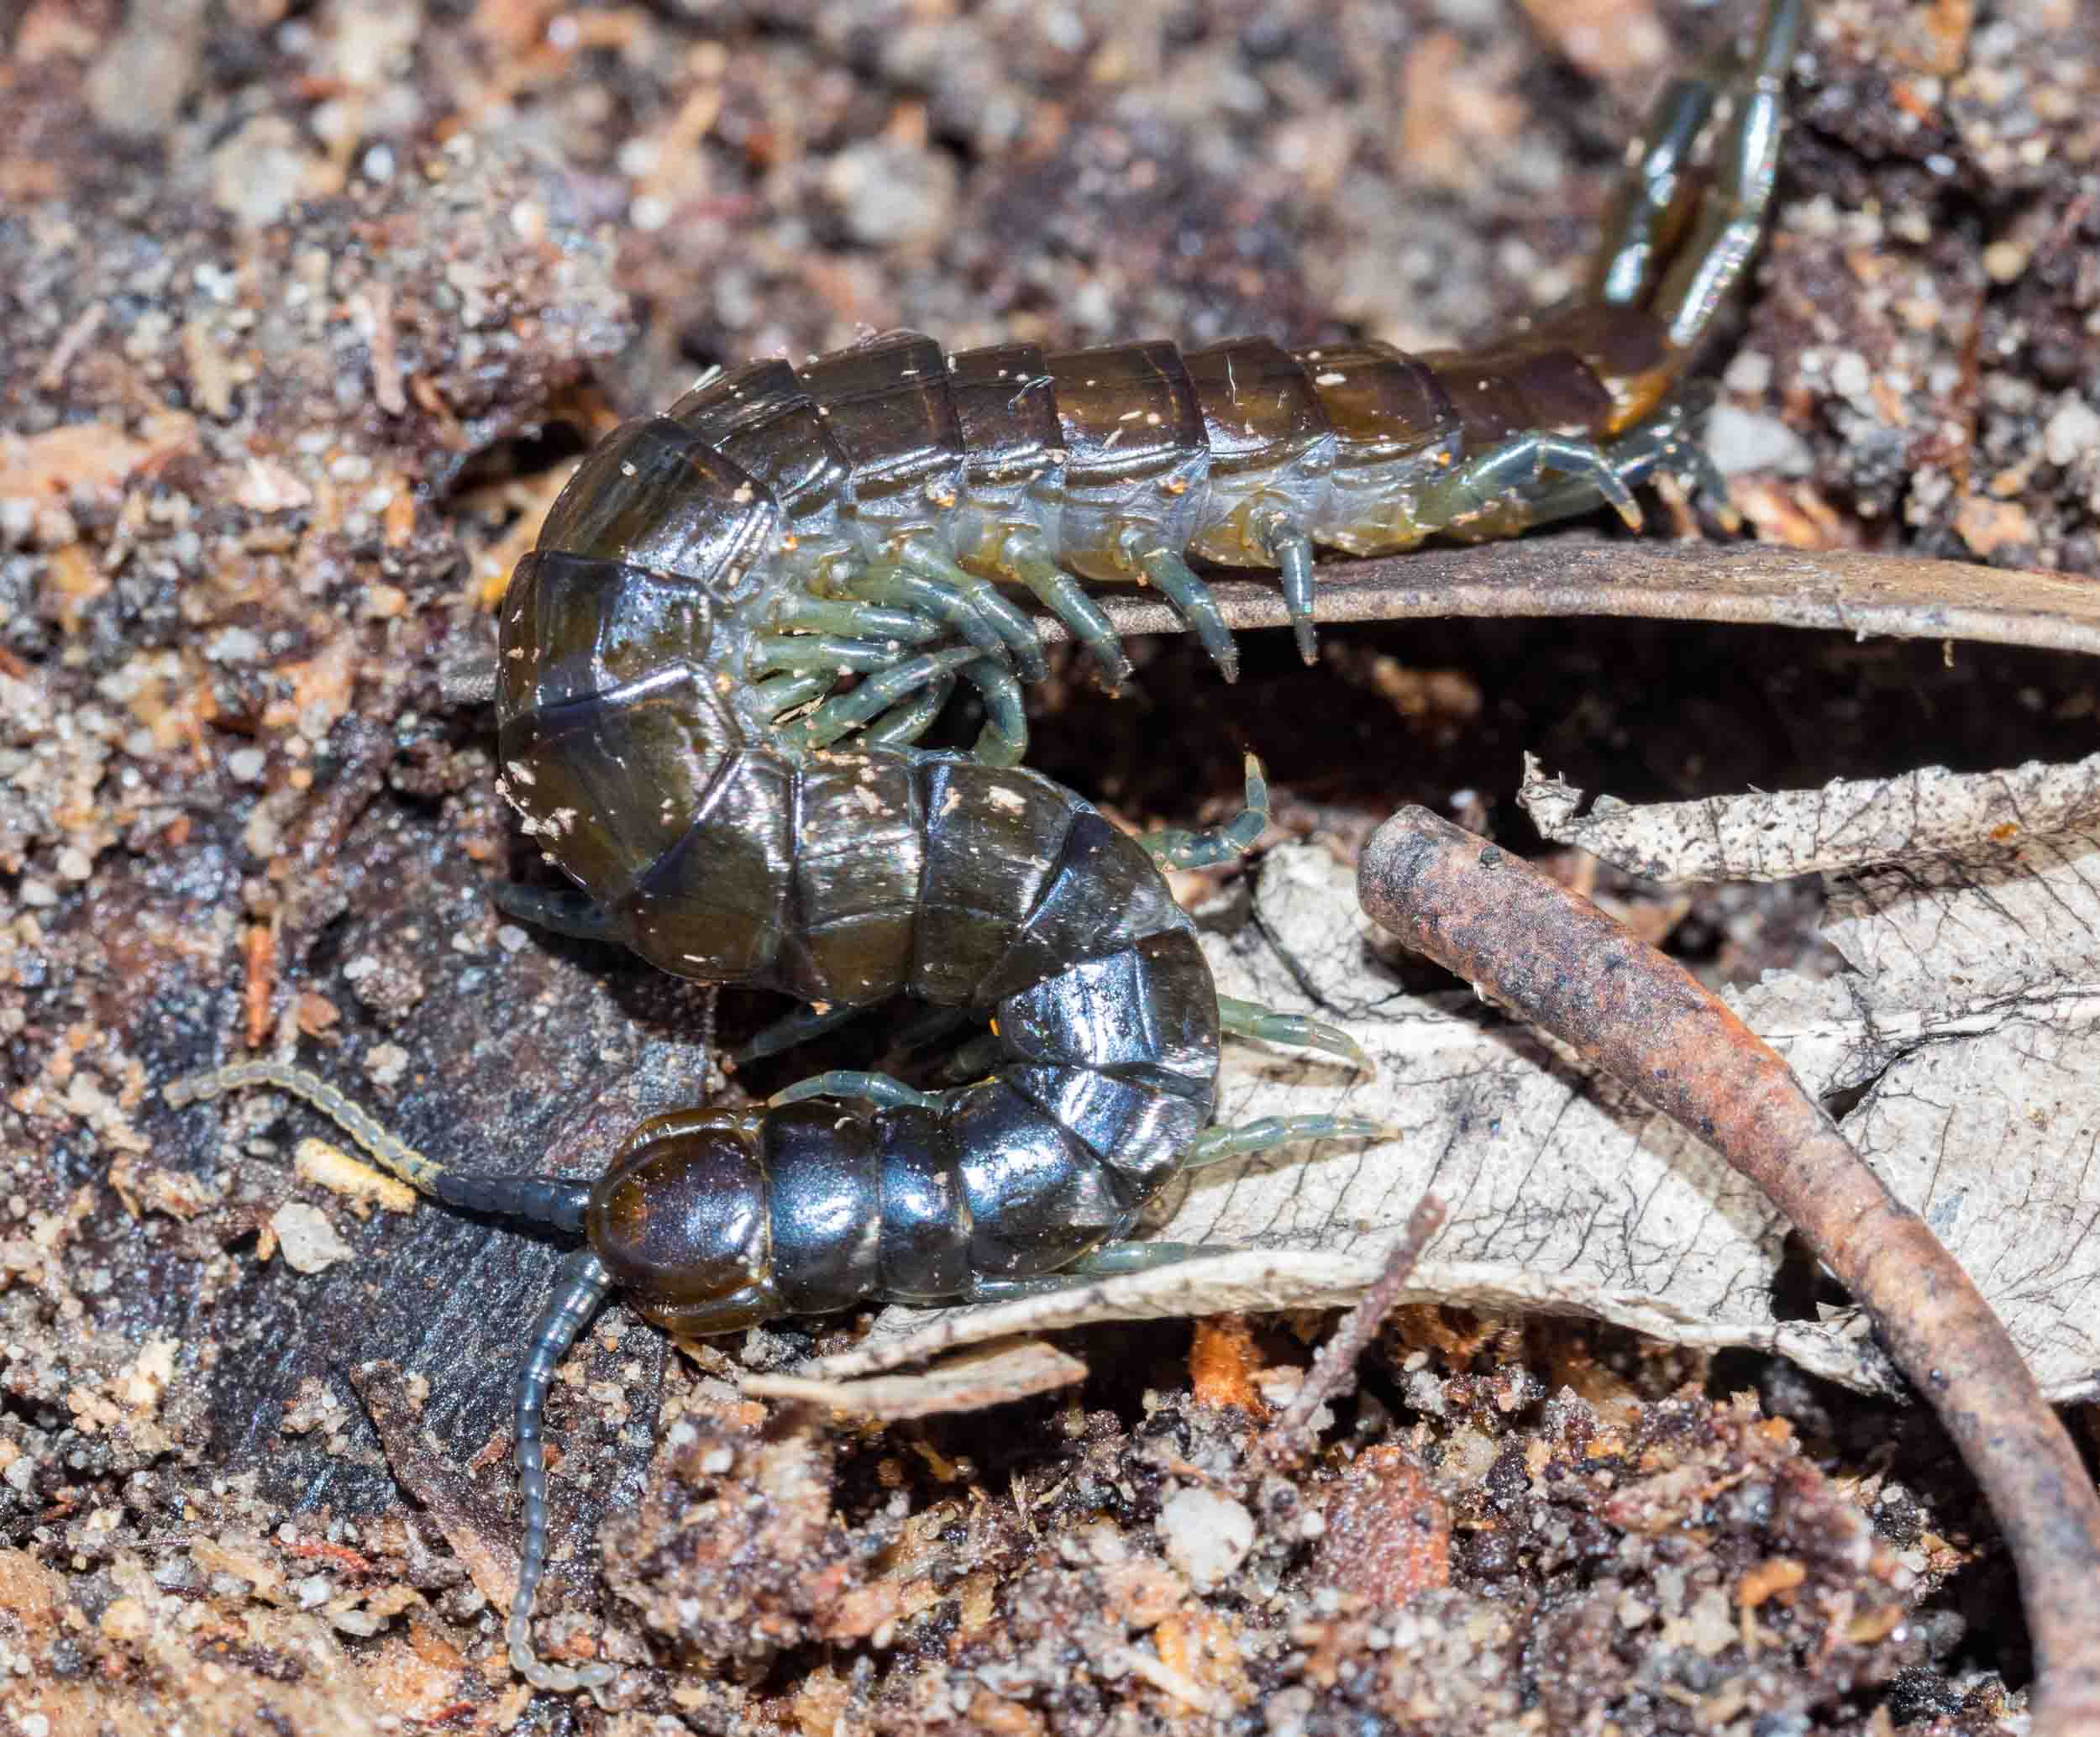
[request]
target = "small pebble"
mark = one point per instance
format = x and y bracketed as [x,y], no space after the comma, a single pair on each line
[307,1238]
[1206,1536]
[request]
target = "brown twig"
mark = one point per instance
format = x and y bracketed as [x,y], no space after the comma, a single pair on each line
[1555,960]
[1290,1437]
[1746,584]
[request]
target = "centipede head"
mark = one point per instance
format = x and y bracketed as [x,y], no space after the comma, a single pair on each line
[682,1220]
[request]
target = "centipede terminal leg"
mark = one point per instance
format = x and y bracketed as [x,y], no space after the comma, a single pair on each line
[1733,207]
[1648,201]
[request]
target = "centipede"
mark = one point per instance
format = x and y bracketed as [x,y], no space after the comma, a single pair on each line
[744,615]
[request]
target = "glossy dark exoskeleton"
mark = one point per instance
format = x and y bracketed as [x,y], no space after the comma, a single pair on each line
[669,729]
[878,504]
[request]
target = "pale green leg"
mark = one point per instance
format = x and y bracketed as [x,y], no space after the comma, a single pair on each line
[1292,550]
[1489,495]
[1189,597]
[1025,557]
[1215,1146]
[933,598]
[1177,848]
[860,620]
[777,693]
[808,652]
[882,1090]
[1248,1019]
[1005,737]
[1015,629]
[844,713]
[906,722]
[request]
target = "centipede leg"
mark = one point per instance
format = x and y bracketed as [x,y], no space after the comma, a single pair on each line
[1112,1260]
[1216,1145]
[801,652]
[1030,565]
[1248,1019]
[793,1029]
[1005,737]
[1014,630]
[1491,495]
[1292,550]
[1665,444]
[906,722]
[860,620]
[580,1287]
[883,1090]
[1189,596]
[1732,209]
[777,693]
[1176,847]
[844,713]
[558,910]
[931,598]
[974,1059]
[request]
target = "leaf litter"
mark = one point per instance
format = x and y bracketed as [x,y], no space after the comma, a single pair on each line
[1962,1046]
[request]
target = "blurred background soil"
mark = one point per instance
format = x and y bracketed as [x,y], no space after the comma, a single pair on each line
[304,311]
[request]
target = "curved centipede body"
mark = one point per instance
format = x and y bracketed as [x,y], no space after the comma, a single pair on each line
[860,513]
[670,733]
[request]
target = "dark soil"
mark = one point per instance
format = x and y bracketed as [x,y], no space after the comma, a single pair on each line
[303,309]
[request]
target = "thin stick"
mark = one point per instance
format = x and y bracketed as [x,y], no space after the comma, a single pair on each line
[1554,959]
[1749,583]
[1290,1437]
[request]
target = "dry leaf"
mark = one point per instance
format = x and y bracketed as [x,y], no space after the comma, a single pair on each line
[1847,824]
[1970,1025]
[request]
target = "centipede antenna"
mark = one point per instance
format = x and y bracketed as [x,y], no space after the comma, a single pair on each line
[392,1154]
[558,1202]
[580,1287]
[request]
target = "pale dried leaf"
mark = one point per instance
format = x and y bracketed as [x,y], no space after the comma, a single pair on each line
[1847,824]
[1566,1193]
